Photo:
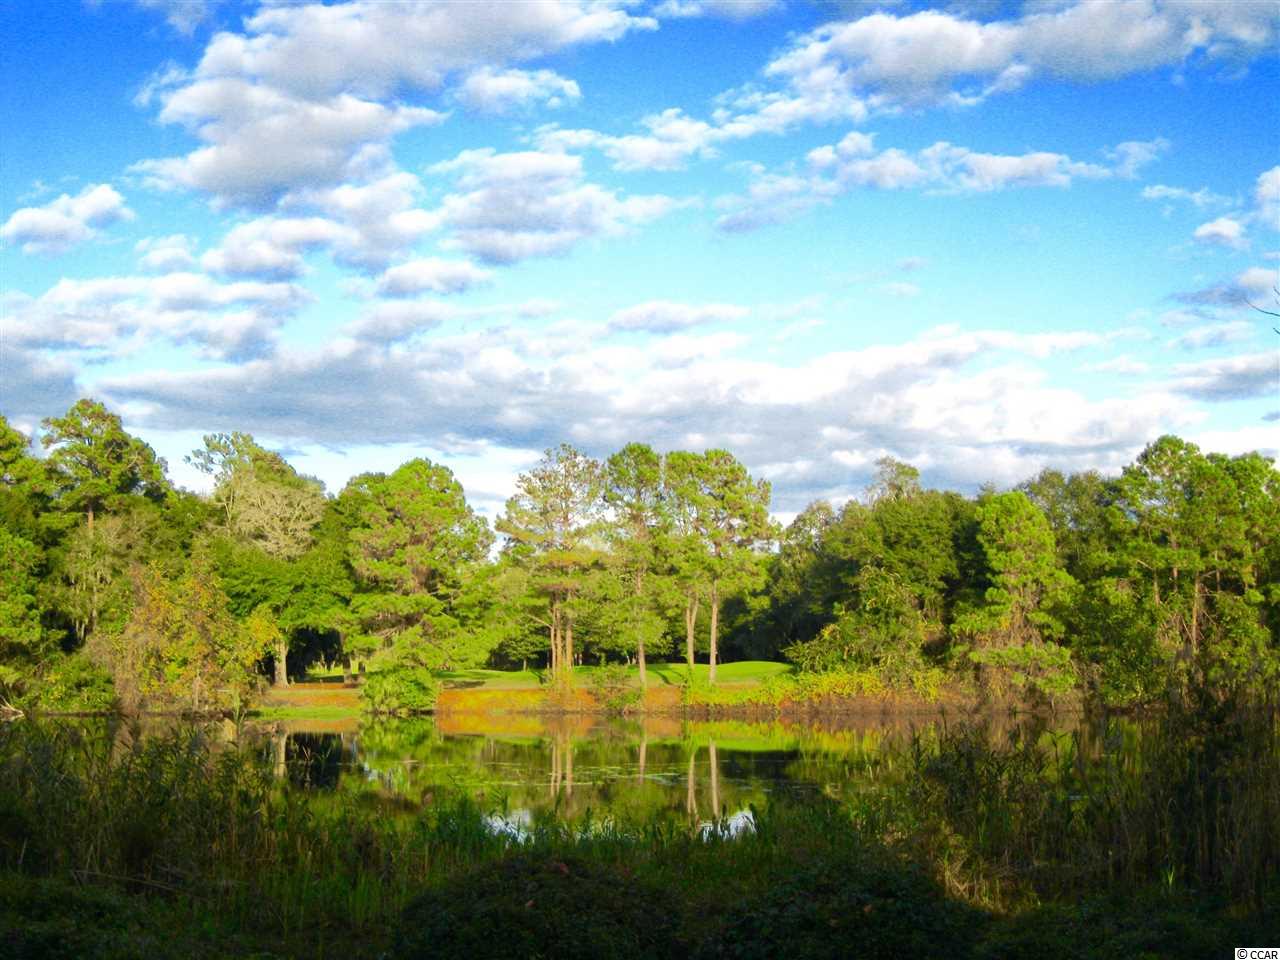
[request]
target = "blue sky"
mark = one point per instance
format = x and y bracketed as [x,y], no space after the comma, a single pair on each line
[981,237]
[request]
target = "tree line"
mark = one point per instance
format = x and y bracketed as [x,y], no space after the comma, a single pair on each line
[118,588]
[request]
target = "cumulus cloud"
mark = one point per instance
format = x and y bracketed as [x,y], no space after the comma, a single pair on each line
[512,206]
[1249,286]
[968,400]
[262,142]
[292,101]
[34,385]
[855,163]
[1266,196]
[65,222]
[271,247]
[392,321]
[1130,157]
[183,15]
[1204,197]
[165,254]
[934,56]
[668,316]
[115,315]
[1124,366]
[1229,378]
[500,91]
[431,274]
[1223,232]
[726,9]
[1214,335]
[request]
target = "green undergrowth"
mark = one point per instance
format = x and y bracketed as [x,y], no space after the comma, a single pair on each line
[926,685]
[977,847]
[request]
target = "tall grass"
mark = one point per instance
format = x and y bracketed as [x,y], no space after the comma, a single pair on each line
[210,829]
[1189,802]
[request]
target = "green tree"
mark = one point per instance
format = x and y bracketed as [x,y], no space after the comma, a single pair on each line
[1016,625]
[634,492]
[552,529]
[1192,534]
[181,646]
[414,544]
[264,501]
[94,464]
[725,516]
[24,484]
[270,508]
[22,639]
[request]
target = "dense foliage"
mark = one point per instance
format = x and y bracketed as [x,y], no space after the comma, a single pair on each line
[114,585]
[193,844]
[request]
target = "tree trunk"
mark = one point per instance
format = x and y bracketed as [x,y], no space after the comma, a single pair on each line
[568,766]
[554,630]
[690,622]
[715,781]
[715,627]
[282,669]
[691,789]
[568,646]
[640,659]
[279,743]
[348,679]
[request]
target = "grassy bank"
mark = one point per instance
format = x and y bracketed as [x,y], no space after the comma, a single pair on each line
[747,688]
[183,846]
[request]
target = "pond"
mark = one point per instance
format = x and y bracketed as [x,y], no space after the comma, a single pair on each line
[529,768]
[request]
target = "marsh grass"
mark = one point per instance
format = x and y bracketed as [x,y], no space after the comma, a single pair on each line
[1189,803]
[187,845]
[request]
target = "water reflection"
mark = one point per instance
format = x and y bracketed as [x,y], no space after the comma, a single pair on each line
[538,768]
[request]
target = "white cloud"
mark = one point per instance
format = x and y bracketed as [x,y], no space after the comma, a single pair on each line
[294,100]
[396,320]
[668,316]
[271,247]
[1214,335]
[726,9]
[431,274]
[381,219]
[969,401]
[1223,232]
[1124,366]
[373,48]
[1266,195]
[261,142]
[65,222]
[117,315]
[183,15]
[942,168]
[1230,378]
[499,91]
[1204,197]
[1130,157]
[165,254]
[513,206]
[932,56]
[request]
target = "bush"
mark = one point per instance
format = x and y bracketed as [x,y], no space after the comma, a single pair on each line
[1101,930]
[847,908]
[400,691]
[538,905]
[74,684]
[612,688]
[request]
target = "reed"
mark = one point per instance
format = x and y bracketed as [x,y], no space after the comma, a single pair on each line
[186,845]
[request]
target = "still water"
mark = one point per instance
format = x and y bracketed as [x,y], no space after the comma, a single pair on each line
[529,768]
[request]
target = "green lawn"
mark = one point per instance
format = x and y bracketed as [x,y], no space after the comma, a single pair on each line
[745,672]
